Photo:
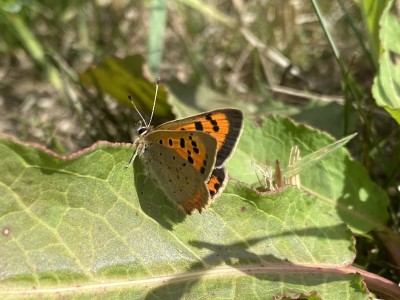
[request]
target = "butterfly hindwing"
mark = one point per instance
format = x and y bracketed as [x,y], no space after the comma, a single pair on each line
[225,125]
[179,180]
[217,182]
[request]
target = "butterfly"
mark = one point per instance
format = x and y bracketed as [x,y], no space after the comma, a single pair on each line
[186,157]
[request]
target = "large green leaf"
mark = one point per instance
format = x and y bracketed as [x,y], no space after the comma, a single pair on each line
[84,226]
[386,88]
[340,184]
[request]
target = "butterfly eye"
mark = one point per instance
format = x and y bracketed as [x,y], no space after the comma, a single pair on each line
[141,130]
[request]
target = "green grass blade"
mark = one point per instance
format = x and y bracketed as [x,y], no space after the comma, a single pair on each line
[316,156]
[155,43]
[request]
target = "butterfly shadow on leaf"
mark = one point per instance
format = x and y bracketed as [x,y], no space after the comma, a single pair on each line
[152,200]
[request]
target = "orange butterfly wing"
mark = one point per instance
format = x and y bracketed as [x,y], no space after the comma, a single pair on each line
[217,182]
[225,125]
[196,148]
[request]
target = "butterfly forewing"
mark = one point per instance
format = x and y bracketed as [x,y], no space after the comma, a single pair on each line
[224,125]
[196,148]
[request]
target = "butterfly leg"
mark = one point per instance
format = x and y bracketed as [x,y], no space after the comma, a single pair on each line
[132,159]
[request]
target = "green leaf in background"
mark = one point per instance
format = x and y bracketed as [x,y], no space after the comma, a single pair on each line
[330,117]
[86,227]
[338,182]
[371,11]
[386,88]
[122,77]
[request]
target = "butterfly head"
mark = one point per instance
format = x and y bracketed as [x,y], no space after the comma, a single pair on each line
[140,142]
[142,128]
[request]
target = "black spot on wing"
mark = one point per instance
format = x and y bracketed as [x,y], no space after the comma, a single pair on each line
[198,126]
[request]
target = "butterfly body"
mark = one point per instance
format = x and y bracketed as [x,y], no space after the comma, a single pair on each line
[186,156]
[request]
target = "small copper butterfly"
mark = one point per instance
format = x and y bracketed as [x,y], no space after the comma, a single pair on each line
[186,157]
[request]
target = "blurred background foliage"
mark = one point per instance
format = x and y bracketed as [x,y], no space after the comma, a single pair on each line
[67,67]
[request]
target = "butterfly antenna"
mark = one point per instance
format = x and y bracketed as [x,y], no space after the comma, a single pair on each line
[155,98]
[133,103]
